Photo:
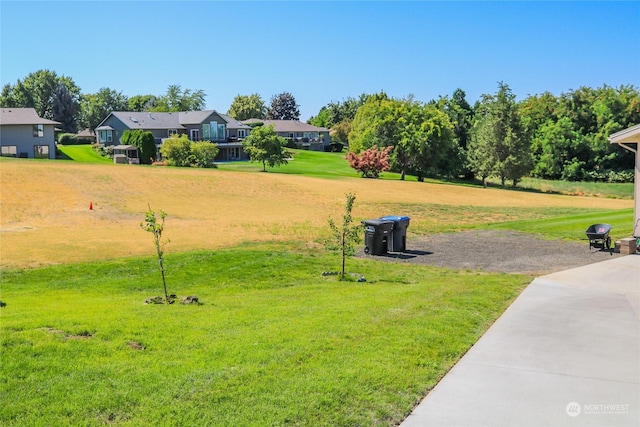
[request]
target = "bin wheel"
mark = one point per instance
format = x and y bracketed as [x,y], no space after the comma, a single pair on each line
[367,251]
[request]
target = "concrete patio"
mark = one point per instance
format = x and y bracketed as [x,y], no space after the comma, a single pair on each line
[565,353]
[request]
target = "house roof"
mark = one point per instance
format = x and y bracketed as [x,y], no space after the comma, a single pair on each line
[289,125]
[23,116]
[233,123]
[85,133]
[194,117]
[631,134]
[148,120]
[162,120]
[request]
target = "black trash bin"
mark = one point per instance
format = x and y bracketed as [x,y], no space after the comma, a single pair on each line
[376,236]
[398,240]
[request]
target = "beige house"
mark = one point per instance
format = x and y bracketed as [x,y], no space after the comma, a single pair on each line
[304,135]
[629,139]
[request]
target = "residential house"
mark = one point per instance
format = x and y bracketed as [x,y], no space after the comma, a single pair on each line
[86,135]
[304,135]
[208,125]
[24,134]
[236,132]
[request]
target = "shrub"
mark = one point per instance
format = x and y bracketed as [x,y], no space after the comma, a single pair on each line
[610,176]
[334,147]
[67,139]
[203,154]
[181,151]
[370,163]
[144,141]
[105,151]
[177,151]
[291,143]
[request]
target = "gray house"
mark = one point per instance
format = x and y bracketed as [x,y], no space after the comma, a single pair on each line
[304,135]
[24,134]
[206,125]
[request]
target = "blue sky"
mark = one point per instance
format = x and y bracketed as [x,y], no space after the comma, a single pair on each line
[323,51]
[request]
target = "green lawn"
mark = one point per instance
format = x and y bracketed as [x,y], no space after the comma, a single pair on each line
[599,189]
[304,162]
[82,153]
[274,343]
[574,226]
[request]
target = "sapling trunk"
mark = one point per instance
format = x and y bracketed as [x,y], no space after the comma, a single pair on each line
[152,225]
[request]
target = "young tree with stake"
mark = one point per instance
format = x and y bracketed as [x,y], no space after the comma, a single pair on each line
[156,227]
[346,237]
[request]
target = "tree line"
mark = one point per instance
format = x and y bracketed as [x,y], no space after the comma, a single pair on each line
[59,98]
[545,136]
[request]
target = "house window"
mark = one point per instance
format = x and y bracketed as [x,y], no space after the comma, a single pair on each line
[242,133]
[234,153]
[9,151]
[222,132]
[41,151]
[38,131]
[106,136]
[172,132]
[194,134]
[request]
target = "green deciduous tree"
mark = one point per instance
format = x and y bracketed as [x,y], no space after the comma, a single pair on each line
[94,108]
[177,99]
[38,91]
[346,236]
[340,132]
[141,103]
[264,145]
[246,107]
[421,134]
[283,107]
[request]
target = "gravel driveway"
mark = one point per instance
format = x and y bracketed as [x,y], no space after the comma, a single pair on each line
[496,251]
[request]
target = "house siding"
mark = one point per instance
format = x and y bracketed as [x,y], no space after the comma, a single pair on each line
[21,136]
[118,127]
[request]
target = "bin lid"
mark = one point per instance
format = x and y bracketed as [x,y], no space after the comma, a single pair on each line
[377,222]
[395,218]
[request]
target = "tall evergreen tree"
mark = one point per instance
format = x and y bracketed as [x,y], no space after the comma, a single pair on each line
[500,145]
[64,109]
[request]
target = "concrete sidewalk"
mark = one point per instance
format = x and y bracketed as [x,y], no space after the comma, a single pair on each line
[565,353]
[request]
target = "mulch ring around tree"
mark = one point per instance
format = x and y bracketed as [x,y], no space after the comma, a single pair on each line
[496,251]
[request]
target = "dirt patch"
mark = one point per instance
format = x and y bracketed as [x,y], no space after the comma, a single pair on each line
[496,251]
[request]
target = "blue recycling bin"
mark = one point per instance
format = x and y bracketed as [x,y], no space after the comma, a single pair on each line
[397,241]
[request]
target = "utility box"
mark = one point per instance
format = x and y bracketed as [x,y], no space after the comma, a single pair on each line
[376,236]
[398,239]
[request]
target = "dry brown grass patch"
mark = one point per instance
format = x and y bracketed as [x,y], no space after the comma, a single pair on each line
[45,216]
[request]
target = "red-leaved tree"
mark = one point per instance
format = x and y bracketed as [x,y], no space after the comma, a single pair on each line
[370,163]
